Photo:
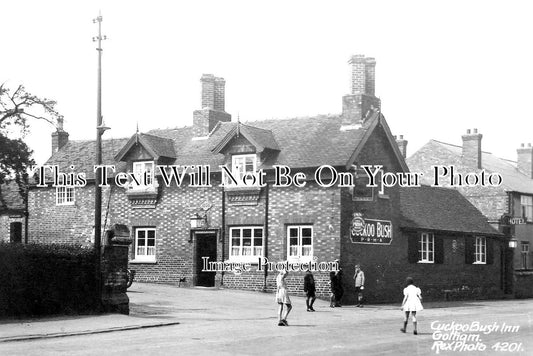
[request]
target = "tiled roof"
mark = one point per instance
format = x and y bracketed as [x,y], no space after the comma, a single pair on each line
[82,155]
[303,143]
[442,209]
[163,147]
[260,138]
[10,198]
[513,179]
[156,146]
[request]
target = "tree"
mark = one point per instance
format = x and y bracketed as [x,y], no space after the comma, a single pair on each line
[16,108]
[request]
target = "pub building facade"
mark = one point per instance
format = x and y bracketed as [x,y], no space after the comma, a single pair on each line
[176,227]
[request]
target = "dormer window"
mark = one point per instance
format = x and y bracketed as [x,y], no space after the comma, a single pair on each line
[139,170]
[242,165]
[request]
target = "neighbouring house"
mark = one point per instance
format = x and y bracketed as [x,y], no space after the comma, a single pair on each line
[508,207]
[176,228]
[12,213]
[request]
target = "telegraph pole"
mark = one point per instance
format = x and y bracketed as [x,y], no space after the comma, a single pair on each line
[98,189]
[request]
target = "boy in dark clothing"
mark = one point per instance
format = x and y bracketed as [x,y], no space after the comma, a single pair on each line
[339,292]
[333,287]
[309,289]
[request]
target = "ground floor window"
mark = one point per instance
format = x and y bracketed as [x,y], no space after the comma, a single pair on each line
[145,244]
[246,243]
[525,254]
[480,254]
[426,249]
[300,242]
[479,250]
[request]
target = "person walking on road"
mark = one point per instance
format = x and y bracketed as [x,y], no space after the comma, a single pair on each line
[412,302]
[309,289]
[282,297]
[359,278]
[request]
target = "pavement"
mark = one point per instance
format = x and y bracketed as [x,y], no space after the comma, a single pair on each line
[200,320]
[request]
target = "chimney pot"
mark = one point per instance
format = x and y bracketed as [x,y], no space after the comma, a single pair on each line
[402,145]
[472,148]
[213,106]
[362,101]
[524,161]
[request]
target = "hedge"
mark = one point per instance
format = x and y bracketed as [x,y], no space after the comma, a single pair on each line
[39,279]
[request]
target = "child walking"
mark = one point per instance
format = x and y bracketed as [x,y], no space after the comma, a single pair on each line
[310,290]
[412,297]
[282,297]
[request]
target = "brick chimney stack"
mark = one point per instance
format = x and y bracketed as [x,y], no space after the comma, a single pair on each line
[472,148]
[213,106]
[525,160]
[402,145]
[60,137]
[362,102]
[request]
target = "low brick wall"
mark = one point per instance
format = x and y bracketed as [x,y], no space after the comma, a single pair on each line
[523,284]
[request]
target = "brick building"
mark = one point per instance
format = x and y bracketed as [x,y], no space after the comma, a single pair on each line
[12,213]
[508,207]
[175,225]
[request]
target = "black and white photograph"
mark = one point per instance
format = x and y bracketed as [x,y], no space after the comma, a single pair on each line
[275,177]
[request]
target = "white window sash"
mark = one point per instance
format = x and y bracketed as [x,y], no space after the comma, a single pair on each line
[241,252]
[426,252]
[299,251]
[144,252]
[140,167]
[238,167]
[65,195]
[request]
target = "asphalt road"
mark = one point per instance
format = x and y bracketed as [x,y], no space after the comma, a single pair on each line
[227,322]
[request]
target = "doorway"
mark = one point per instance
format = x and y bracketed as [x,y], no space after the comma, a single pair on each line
[206,246]
[15,230]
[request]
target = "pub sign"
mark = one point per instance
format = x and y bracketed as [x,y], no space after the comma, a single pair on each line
[370,231]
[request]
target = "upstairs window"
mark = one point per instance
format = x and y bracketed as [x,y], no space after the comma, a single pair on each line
[526,204]
[64,194]
[243,165]
[361,191]
[139,168]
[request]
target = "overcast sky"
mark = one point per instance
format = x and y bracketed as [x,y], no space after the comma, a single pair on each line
[442,66]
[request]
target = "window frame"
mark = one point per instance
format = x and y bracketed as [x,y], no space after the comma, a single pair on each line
[424,254]
[150,178]
[300,256]
[480,250]
[526,207]
[65,195]
[252,257]
[360,172]
[524,254]
[145,257]
[238,174]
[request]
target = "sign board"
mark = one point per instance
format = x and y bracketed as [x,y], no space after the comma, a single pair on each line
[507,219]
[370,231]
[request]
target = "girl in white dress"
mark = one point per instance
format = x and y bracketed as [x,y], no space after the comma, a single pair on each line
[282,297]
[412,297]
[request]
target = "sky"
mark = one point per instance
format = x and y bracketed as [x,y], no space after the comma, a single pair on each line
[442,66]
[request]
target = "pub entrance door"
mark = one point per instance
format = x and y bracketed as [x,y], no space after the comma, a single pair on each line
[206,246]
